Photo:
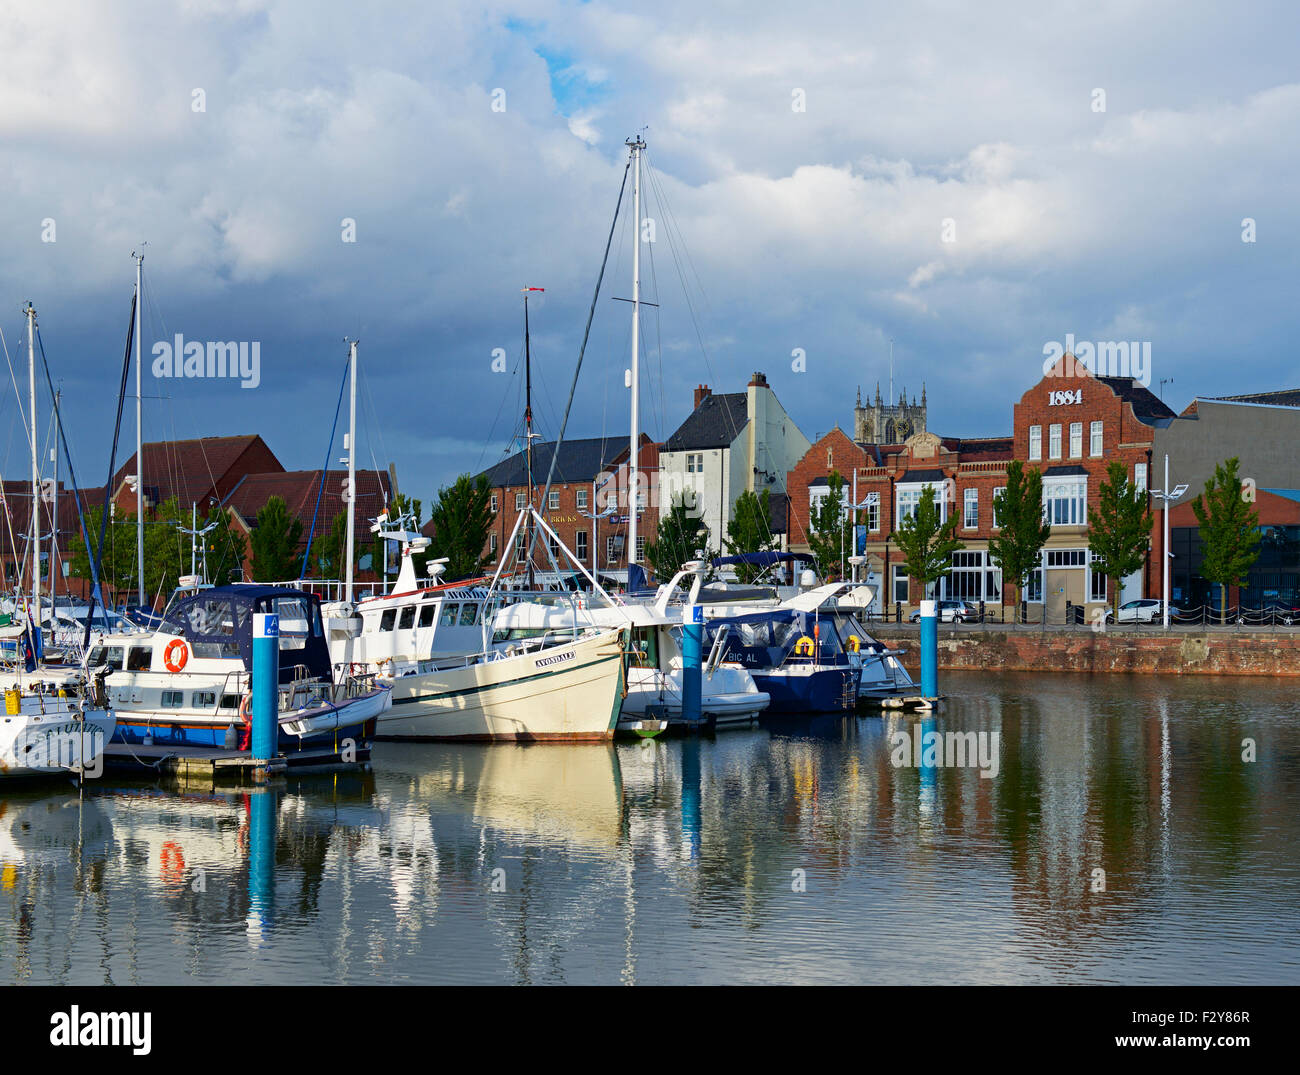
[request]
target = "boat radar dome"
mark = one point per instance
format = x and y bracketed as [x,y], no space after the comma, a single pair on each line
[419,544]
[807,578]
[435,568]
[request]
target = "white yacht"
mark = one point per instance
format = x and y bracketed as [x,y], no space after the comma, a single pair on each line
[51,728]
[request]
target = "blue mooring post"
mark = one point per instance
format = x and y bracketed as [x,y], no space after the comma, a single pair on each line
[266,685]
[261,863]
[929,650]
[692,661]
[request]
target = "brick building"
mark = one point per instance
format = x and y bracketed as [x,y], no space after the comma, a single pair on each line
[591,477]
[1070,425]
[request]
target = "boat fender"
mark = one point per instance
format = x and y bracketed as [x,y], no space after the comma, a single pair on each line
[176,655]
[804,647]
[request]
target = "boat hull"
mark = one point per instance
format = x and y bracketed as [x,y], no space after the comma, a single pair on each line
[571,692]
[54,743]
[804,690]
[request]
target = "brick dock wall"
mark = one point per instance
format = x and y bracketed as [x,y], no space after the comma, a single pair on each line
[1180,652]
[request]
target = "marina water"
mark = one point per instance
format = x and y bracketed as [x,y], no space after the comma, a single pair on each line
[1123,838]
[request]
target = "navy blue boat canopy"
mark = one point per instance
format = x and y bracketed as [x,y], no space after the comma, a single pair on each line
[218,622]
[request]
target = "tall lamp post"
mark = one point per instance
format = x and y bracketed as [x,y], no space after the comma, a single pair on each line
[1165,495]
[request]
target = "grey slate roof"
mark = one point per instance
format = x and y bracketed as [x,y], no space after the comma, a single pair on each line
[1286,397]
[935,475]
[1069,470]
[580,461]
[715,423]
[1147,406]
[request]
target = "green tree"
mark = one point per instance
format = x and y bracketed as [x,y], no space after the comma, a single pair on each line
[750,530]
[226,549]
[1022,530]
[328,549]
[1229,529]
[830,531]
[462,520]
[682,536]
[927,543]
[275,540]
[1119,528]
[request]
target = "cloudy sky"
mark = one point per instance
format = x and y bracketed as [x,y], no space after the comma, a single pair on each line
[972,181]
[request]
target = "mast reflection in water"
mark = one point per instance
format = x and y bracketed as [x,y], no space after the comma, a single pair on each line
[1122,839]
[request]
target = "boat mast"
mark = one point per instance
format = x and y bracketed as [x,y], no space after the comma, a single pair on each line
[139,436]
[634,474]
[352,468]
[528,434]
[36,473]
[54,496]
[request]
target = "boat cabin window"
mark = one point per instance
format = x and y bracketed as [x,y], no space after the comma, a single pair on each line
[295,621]
[110,655]
[212,616]
[230,701]
[408,618]
[139,659]
[449,614]
[204,699]
[173,699]
[387,620]
[468,613]
[427,613]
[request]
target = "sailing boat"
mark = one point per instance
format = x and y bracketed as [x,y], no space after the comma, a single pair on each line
[55,721]
[555,687]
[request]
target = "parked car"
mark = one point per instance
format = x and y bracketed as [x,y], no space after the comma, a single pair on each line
[953,612]
[1143,610]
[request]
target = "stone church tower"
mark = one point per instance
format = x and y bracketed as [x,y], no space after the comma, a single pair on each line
[888,423]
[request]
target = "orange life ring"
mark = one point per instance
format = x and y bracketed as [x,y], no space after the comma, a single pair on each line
[173,863]
[176,655]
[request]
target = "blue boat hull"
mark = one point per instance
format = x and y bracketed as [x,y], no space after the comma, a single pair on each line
[210,734]
[830,690]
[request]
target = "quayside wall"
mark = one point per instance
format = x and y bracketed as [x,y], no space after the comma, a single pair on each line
[1180,652]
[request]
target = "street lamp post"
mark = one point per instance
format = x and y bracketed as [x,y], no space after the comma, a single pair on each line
[1165,495]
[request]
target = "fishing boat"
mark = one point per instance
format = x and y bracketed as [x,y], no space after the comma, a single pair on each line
[729,696]
[189,682]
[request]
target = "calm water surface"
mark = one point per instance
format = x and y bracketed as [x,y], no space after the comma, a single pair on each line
[683,861]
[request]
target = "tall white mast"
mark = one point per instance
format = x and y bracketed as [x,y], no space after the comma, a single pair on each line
[139,436]
[54,498]
[634,475]
[352,469]
[36,469]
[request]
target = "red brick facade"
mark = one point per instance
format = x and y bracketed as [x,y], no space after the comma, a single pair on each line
[1066,406]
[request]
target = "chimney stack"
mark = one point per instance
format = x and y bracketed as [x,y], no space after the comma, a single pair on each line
[700,394]
[757,380]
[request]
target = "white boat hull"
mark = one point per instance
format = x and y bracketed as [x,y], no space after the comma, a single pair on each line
[311,720]
[53,742]
[571,692]
[728,697]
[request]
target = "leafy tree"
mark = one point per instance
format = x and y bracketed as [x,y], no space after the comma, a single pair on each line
[226,549]
[682,535]
[1119,528]
[1022,530]
[166,552]
[750,530]
[275,540]
[327,549]
[830,532]
[462,520]
[927,544]
[1229,529]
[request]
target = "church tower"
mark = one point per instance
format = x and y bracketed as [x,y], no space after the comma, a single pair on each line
[888,423]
